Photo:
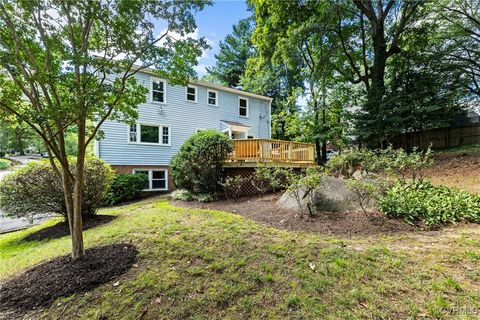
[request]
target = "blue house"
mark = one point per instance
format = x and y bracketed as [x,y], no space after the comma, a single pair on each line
[173,113]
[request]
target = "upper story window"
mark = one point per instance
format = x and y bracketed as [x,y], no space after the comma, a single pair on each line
[150,134]
[192,93]
[158,88]
[243,107]
[212,98]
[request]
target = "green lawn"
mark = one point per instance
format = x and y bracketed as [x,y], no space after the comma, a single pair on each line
[204,264]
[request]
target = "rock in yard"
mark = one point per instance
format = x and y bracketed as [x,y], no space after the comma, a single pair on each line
[333,196]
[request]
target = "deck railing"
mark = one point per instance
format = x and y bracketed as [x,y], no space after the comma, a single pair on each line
[268,150]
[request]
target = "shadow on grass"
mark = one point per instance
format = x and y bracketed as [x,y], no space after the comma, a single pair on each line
[61,229]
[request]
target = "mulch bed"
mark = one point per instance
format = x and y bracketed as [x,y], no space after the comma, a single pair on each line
[42,284]
[266,211]
[61,229]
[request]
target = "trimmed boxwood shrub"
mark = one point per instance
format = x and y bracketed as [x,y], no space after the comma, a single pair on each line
[432,205]
[34,189]
[197,167]
[125,187]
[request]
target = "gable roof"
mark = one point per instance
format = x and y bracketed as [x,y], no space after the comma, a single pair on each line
[210,85]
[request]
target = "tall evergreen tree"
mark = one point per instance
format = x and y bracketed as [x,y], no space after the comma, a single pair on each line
[234,52]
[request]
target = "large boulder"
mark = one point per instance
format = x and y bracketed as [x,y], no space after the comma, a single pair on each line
[333,196]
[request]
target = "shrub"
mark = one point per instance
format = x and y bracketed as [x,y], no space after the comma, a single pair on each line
[232,186]
[421,201]
[365,190]
[205,197]
[125,187]
[4,164]
[388,162]
[35,189]
[182,194]
[197,167]
[304,187]
[268,179]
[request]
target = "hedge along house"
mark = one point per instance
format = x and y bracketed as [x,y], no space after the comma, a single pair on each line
[172,113]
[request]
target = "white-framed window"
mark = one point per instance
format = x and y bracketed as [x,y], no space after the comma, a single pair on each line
[157,179]
[132,133]
[212,98]
[191,93]
[147,133]
[158,90]
[243,107]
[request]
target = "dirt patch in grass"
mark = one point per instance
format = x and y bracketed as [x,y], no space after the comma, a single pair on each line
[61,229]
[265,210]
[459,170]
[42,284]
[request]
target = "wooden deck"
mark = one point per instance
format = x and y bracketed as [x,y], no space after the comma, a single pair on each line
[269,152]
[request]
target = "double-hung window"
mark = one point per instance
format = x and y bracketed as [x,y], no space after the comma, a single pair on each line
[150,134]
[157,90]
[212,98]
[243,107]
[156,179]
[191,94]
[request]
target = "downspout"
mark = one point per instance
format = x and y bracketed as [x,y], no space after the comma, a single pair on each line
[269,120]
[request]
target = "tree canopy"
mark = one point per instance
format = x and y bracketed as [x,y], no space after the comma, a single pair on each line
[72,64]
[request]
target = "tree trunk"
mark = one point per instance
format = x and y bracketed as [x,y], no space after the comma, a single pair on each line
[318,149]
[18,136]
[324,151]
[377,89]
[77,230]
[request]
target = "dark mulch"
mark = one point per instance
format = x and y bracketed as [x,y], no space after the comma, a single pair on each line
[265,210]
[61,229]
[42,284]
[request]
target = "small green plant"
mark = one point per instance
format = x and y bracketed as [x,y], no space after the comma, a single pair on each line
[232,186]
[365,190]
[261,180]
[267,179]
[205,197]
[182,194]
[4,164]
[303,186]
[125,187]
[421,201]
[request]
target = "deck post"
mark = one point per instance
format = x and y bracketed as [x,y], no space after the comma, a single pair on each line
[290,147]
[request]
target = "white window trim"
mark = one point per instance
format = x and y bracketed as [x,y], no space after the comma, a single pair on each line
[196,93]
[150,178]
[248,107]
[160,133]
[152,79]
[216,97]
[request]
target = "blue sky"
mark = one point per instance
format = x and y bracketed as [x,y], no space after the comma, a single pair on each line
[214,23]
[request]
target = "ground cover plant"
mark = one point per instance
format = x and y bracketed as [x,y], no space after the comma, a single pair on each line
[219,265]
[421,201]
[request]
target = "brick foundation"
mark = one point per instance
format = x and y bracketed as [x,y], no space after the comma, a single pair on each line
[128,169]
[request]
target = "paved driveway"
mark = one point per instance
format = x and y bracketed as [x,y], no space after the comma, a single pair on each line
[9,224]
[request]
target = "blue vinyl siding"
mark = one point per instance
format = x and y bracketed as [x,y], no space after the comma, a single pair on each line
[184,118]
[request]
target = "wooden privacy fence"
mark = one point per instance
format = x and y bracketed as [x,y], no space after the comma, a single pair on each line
[269,150]
[439,137]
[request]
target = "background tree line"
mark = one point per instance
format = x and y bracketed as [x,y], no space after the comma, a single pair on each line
[368,70]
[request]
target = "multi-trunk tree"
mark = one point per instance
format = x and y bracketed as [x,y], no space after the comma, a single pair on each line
[71,65]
